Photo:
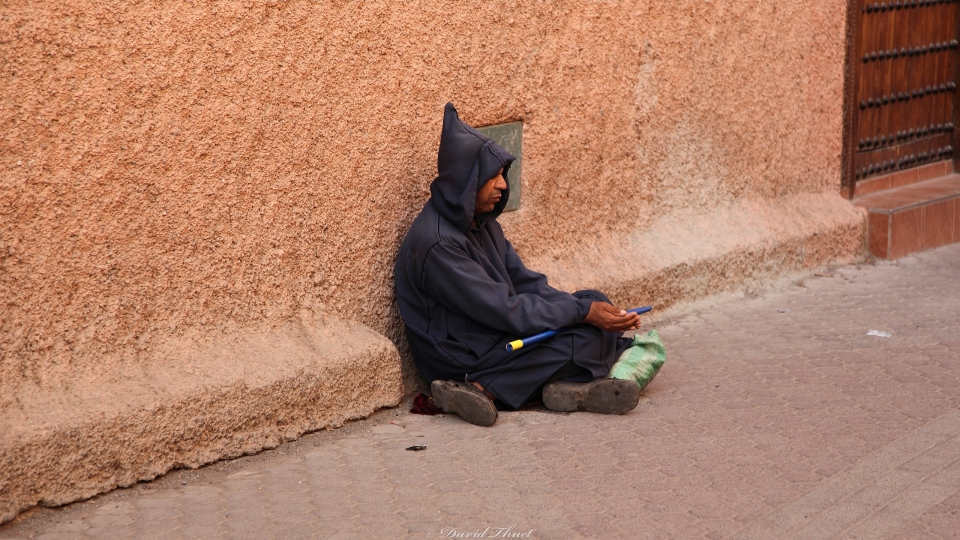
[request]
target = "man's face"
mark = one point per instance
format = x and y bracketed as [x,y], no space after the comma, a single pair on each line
[489,194]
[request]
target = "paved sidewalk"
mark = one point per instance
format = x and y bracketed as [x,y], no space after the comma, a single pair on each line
[774,416]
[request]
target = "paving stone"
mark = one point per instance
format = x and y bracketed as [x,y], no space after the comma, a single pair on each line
[108,532]
[201,531]
[155,534]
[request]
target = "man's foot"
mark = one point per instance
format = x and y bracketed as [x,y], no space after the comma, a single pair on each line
[604,396]
[466,400]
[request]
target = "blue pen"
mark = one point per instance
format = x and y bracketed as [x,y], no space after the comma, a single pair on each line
[521,343]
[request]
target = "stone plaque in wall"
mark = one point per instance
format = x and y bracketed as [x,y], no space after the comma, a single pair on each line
[510,138]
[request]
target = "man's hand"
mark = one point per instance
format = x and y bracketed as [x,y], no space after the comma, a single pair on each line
[611,318]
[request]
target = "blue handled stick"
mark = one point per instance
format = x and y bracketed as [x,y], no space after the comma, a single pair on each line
[521,343]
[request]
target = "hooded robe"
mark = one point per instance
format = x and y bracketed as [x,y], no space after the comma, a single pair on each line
[464,293]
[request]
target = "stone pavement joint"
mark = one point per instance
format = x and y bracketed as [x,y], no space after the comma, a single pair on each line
[876,489]
[775,415]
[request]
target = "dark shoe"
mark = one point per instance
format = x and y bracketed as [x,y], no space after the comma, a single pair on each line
[604,396]
[466,400]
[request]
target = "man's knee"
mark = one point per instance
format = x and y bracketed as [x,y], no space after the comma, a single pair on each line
[590,294]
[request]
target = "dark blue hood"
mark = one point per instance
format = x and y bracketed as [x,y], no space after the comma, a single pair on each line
[466,160]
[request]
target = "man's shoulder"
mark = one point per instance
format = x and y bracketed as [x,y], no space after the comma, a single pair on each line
[428,229]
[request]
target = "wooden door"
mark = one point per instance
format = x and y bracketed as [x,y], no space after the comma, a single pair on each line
[903,55]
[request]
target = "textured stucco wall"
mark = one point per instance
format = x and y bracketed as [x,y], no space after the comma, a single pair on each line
[174,171]
[120,424]
[176,168]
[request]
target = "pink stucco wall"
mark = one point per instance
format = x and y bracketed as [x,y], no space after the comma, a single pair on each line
[171,168]
[174,171]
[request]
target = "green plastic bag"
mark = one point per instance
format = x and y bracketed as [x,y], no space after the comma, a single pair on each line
[641,361]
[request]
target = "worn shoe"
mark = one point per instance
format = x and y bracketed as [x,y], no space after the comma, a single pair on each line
[604,396]
[466,400]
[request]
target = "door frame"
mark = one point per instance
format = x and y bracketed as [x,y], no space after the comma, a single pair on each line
[851,109]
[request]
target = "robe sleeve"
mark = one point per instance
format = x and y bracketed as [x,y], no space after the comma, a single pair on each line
[528,281]
[459,283]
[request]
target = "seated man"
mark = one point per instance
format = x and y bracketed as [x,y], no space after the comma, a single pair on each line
[464,294]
